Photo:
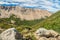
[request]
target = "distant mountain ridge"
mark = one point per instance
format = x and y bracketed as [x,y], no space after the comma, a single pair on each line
[23,13]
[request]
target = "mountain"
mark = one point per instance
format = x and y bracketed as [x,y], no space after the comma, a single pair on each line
[27,28]
[52,22]
[23,13]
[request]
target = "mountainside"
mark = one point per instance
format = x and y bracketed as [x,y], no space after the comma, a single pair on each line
[52,22]
[23,13]
[27,28]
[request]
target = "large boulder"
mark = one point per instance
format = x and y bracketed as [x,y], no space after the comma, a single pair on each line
[11,34]
[44,34]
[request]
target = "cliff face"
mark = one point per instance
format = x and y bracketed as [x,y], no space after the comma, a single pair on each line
[23,13]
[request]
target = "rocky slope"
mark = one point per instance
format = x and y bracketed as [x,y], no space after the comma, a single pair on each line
[40,34]
[23,13]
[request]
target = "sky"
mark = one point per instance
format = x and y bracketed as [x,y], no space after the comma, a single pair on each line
[50,5]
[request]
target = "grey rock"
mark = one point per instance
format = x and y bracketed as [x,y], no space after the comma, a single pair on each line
[0,38]
[52,39]
[58,37]
[43,38]
[44,34]
[11,34]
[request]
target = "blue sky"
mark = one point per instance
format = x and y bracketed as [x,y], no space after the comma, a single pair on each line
[50,5]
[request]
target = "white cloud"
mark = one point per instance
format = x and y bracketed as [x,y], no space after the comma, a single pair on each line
[3,2]
[50,5]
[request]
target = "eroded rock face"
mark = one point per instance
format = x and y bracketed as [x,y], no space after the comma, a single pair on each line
[23,13]
[11,34]
[44,34]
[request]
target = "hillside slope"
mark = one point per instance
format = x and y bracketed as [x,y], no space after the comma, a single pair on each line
[23,13]
[52,22]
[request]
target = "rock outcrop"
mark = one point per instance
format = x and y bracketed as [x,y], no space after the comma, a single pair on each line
[23,13]
[10,34]
[44,34]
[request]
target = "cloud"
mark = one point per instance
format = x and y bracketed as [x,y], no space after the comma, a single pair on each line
[3,2]
[50,5]
[7,3]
